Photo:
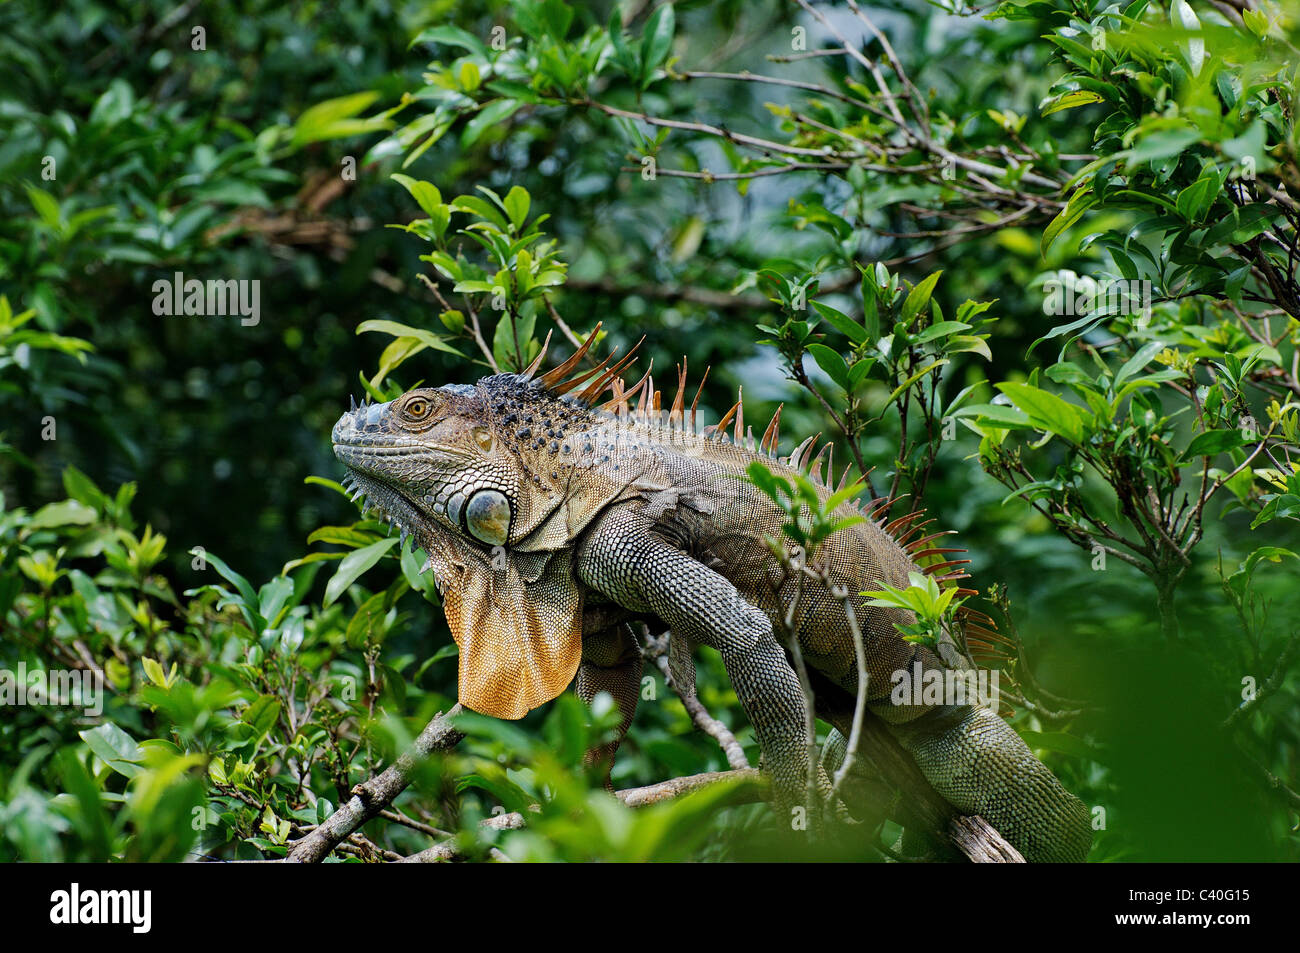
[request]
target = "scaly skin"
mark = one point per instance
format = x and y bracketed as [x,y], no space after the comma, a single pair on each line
[549,524]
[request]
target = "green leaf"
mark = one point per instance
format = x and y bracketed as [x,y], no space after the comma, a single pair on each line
[525,94]
[1256,21]
[513,797]
[1241,225]
[1282,506]
[62,513]
[1003,416]
[413,562]
[940,329]
[1273,554]
[859,370]
[1213,442]
[493,114]
[398,350]
[154,672]
[248,597]
[46,206]
[426,194]
[657,41]
[449,35]
[1079,203]
[623,56]
[1067,372]
[969,342]
[309,559]
[544,18]
[1078,97]
[334,118]
[397,329]
[470,77]
[1180,12]
[367,622]
[516,202]
[1149,380]
[272,599]
[1083,325]
[482,208]
[353,565]
[439,129]
[114,747]
[832,362]
[92,819]
[841,322]
[1162,144]
[1047,411]
[1138,361]
[915,377]
[509,334]
[1195,200]
[334,485]
[341,535]
[261,715]
[81,488]
[918,299]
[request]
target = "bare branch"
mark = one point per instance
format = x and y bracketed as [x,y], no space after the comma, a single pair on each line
[656,649]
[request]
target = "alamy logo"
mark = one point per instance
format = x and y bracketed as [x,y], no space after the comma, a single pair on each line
[74,688]
[178,295]
[73,906]
[945,687]
[1070,294]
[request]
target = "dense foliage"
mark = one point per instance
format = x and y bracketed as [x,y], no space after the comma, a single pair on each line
[1035,264]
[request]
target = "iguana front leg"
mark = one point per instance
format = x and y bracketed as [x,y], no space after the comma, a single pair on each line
[624,559]
[611,662]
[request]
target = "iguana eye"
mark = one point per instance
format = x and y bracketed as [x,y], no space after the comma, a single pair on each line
[483,437]
[487,517]
[417,408]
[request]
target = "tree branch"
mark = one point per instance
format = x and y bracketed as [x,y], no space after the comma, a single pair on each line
[373,796]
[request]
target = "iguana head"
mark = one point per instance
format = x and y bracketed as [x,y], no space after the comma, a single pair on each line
[487,479]
[430,461]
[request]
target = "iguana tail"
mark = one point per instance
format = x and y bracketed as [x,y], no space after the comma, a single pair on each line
[978,763]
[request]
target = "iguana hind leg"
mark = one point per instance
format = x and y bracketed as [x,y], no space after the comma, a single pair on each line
[611,662]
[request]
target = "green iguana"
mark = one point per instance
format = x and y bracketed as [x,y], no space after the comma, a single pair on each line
[549,522]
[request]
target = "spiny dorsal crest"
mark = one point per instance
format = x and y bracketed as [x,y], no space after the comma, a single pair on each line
[562,380]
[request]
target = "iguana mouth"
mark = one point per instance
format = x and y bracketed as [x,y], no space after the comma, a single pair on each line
[386,502]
